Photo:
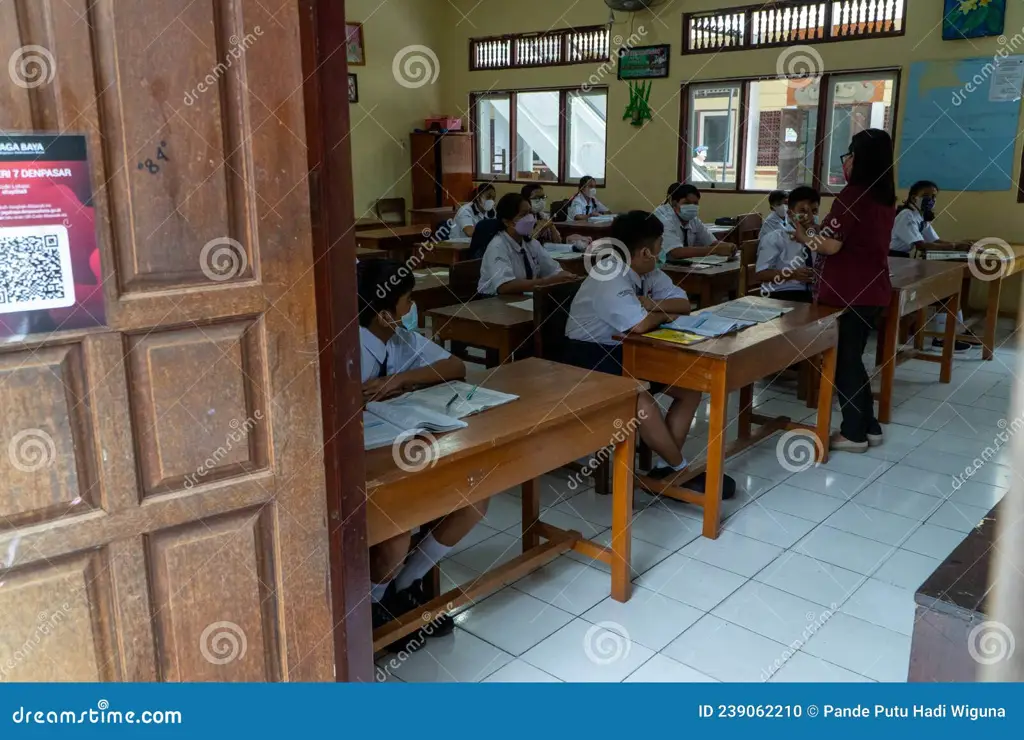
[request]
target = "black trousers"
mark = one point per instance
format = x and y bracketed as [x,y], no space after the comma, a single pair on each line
[852,382]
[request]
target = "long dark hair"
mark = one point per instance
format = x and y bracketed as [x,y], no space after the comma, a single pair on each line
[873,165]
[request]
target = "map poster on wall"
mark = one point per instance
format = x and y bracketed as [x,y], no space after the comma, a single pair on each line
[643,62]
[50,277]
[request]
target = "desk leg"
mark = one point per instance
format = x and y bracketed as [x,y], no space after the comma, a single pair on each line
[921,324]
[991,317]
[746,410]
[889,345]
[717,409]
[707,297]
[531,514]
[826,385]
[505,350]
[622,516]
[949,338]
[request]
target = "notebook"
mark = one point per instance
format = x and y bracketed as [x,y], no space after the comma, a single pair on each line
[384,422]
[753,312]
[946,255]
[707,324]
[469,399]
[711,259]
[526,305]
[676,337]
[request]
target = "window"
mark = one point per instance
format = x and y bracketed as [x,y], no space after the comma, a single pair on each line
[768,134]
[549,136]
[789,22]
[541,49]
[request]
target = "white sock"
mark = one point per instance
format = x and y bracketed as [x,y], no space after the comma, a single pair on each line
[681,465]
[377,591]
[422,559]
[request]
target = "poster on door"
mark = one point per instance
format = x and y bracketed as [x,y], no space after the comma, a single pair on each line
[50,277]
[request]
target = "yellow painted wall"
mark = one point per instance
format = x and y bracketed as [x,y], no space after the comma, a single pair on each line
[387,112]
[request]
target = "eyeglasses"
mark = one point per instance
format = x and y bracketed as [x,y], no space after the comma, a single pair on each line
[844,157]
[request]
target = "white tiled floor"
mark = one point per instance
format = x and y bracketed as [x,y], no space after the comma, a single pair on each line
[811,579]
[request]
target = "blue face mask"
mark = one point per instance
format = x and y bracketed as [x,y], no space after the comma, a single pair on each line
[688,212]
[411,320]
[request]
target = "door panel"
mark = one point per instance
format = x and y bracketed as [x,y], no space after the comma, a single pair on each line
[162,477]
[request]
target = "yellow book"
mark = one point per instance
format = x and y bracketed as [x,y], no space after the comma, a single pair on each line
[676,337]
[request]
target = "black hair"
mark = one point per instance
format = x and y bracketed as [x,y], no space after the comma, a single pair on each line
[916,188]
[530,188]
[873,165]
[637,229]
[776,197]
[482,235]
[679,190]
[584,180]
[803,194]
[381,284]
[508,206]
[478,191]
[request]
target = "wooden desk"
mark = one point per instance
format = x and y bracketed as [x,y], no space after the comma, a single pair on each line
[438,253]
[370,254]
[391,239]
[563,413]
[916,284]
[584,228]
[718,366]
[365,224]
[709,285]
[432,291]
[997,265]
[432,217]
[490,323]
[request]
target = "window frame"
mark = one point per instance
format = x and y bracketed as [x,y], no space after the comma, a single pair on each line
[563,151]
[822,136]
[563,36]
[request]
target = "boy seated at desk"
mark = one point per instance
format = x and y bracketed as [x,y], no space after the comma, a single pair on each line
[636,299]
[515,262]
[685,234]
[784,265]
[778,202]
[396,359]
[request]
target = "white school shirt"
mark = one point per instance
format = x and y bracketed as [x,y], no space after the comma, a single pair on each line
[504,261]
[581,205]
[468,215]
[909,229]
[773,223]
[677,234]
[604,308]
[777,251]
[406,350]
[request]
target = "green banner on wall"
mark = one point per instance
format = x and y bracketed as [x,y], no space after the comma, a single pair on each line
[643,62]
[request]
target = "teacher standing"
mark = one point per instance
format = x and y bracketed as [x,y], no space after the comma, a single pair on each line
[852,273]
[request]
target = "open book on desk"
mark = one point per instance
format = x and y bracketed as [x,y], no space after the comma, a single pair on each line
[750,312]
[455,399]
[707,324]
[709,259]
[386,421]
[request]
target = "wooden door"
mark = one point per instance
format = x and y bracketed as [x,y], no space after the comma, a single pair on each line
[174,528]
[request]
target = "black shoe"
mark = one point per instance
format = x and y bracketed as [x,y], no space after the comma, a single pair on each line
[697,483]
[422,594]
[393,605]
[958,346]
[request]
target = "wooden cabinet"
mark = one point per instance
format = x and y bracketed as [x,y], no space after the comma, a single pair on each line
[442,169]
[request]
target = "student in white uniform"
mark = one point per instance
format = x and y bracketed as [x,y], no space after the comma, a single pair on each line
[395,359]
[481,206]
[685,234]
[784,266]
[634,299]
[913,228]
[545,232]
[514,262]
[585,203]
[778,202]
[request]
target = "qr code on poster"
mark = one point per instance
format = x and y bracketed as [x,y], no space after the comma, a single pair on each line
[35,269]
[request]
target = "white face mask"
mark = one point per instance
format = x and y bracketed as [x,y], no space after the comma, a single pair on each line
[688,211]
[592,193]
[781,210]
[538,204]
[488,205]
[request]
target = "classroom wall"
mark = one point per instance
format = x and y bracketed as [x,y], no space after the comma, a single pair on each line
[387,112]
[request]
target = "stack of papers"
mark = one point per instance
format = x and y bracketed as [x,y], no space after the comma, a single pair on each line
[559,251]
[707,324]
[711,259]
[384,422]
[526,305]
[742,310]
[676,337]
[469,399]
[946,255]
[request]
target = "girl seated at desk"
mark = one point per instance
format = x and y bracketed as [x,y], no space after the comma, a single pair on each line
[480,206]
[514,262]
[585,203]
[395,359]
[546,231]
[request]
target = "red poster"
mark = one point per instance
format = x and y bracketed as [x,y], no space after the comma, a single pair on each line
[50,277]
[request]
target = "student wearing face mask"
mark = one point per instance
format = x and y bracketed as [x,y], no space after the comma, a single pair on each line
[480,206]
[396,359]
[546,231]
[785,267]
[585,203]
[515,262]
[778,201]
[685,234]
[913,229]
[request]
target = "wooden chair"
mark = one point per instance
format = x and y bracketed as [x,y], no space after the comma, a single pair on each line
[748,227]
[551,305]
[748,260]
[463,279]
[390,210]
[558,209]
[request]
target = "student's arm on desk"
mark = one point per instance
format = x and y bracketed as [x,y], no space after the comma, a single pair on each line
[518,287]
[652,321]
[723,248]
[671,306]
[442,371]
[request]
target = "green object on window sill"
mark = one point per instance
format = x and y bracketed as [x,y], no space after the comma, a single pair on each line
[638,111]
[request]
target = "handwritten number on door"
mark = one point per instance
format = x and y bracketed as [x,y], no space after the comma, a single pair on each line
[151,165]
